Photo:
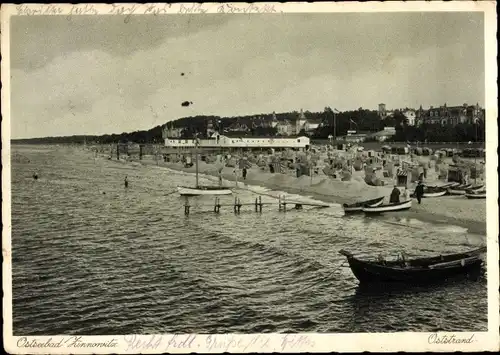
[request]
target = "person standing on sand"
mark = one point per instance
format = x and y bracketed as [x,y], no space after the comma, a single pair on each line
[419,191]
[126,181]
[244,172]
[395,195]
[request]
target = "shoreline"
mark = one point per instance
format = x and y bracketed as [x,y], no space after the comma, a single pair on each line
[428,211]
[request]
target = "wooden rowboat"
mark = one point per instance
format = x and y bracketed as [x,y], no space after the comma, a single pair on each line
[474,189]
[417,271]
[459,190]
[358,206]
[203,190]
[435,192]
[391,207]
[444,186]
[477,195]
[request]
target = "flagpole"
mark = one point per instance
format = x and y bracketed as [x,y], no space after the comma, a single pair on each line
[334,126]
[196,153]
[475,157]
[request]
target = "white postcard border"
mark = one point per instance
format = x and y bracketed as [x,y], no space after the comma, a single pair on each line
[306,342]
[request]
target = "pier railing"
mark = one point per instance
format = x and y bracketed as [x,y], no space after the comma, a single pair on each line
[257,204]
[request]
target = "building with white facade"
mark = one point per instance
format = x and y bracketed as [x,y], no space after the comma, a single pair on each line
[300,123]
[285,128]
[387,133]
[171,132]
[225,142]
[411,116]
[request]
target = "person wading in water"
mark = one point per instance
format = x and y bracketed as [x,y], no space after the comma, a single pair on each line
[419,191]
[126,181]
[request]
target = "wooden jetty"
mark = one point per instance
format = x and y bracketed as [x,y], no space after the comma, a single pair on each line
[258,204]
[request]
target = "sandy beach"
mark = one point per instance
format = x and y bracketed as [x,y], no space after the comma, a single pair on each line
[455,210]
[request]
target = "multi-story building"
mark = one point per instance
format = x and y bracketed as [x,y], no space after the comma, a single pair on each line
[238,127]
[307,125]
[171,132]
[300,122]
[274,121]
[450,115]
[285,128]
[411,116]
[383,113]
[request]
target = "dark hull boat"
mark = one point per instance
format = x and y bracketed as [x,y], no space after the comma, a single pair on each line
[417,271]
[391,207]
[474,189]
[203,190]
[435,192]
[358,206]
[476,195]
[459,190]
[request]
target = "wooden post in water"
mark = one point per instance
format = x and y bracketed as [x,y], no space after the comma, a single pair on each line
[186,207]
[260,204]
[256,204]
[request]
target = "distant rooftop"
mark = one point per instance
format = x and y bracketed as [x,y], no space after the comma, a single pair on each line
[383,133]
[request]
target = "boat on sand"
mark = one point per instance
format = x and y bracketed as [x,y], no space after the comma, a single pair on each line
[417,271]
[434,192]
[391,207]
[476,195]
[358,206]
[474,189]
[459,190]
[444,186]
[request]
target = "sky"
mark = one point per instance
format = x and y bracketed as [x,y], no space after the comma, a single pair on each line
[102,75]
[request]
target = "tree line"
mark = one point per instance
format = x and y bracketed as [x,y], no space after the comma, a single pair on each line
[333,123]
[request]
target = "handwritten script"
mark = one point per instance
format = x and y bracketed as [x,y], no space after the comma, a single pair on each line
[218,343]
[128,10]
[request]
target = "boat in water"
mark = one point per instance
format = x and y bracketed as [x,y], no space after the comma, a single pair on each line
[203,190]
[198,189]
[417,271]
[391,207]
[358,206]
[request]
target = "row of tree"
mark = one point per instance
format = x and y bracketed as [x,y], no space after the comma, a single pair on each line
[464,132]
[334,123]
